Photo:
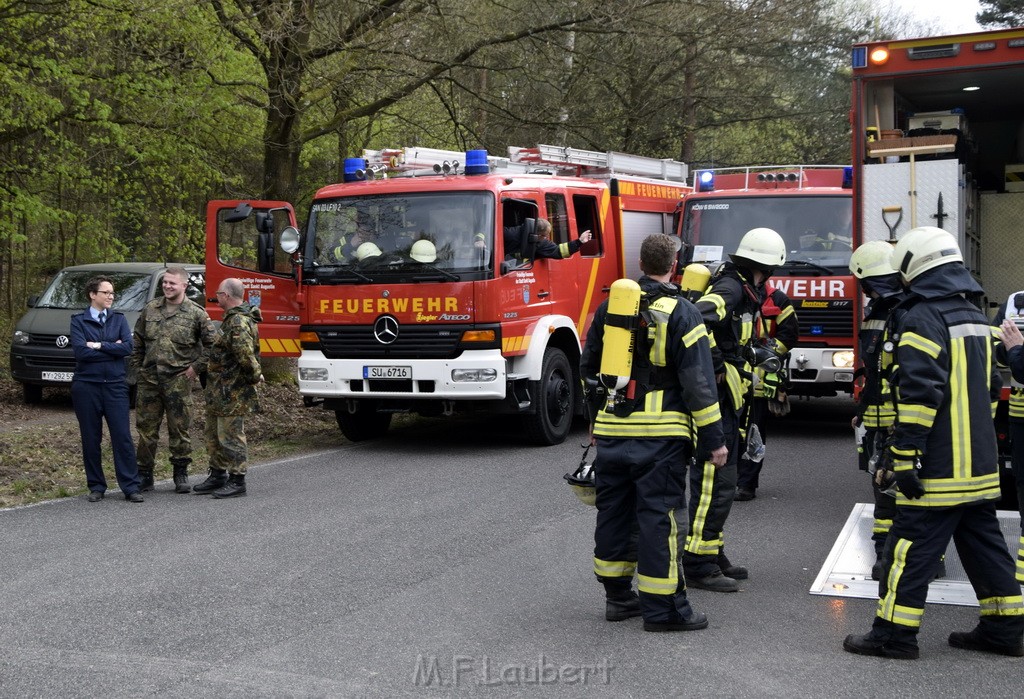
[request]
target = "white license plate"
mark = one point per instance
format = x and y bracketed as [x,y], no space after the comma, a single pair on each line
[387,372]
[64,376]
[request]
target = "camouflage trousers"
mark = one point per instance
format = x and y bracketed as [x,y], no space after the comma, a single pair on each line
[172,397]
[225,442]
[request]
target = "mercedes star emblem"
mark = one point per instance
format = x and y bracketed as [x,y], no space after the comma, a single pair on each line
[386,330]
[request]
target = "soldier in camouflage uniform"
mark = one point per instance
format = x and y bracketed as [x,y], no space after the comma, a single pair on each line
[231,391]
[172,339]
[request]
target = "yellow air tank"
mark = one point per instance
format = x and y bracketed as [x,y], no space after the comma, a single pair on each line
[620,334]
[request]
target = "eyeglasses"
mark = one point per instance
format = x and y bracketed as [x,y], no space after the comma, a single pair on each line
[106,293]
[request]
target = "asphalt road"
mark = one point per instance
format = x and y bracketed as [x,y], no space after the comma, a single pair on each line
[447,560]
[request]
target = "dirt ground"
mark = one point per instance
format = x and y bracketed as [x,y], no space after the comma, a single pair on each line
[41,453]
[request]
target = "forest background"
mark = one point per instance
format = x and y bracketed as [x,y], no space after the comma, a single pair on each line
[119,119]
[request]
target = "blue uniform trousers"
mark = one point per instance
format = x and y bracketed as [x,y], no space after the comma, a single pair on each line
[94,402]
[641,485]
[917,541]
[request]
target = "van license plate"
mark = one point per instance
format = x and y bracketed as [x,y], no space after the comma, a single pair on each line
[63,376]
[387,372]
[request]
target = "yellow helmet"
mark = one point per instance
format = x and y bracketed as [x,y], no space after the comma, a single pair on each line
[924,248]
[582,481]
[872,259]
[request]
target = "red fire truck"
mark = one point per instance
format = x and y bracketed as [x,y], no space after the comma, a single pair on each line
[416,287]
[938,140]
[810,207]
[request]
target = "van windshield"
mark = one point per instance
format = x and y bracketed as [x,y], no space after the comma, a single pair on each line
[67,290]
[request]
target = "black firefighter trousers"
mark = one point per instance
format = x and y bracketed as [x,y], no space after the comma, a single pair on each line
[641,483]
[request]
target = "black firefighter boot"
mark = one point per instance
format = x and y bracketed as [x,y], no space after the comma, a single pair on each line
[145,481]
[234,488]
[217,478]
[885,640]
[621,602]
[181,475]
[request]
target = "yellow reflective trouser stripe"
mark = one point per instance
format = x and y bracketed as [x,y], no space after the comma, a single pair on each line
[1020,561]
[614,569]
[707,416]
[909,413]
[735,385]
[694,543]
[668,585]
[881,526]
[887,607]
[919,342]
[1002,606]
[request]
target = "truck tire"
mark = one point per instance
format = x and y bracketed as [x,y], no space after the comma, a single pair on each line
[32,393]
[362,425]
[555,399]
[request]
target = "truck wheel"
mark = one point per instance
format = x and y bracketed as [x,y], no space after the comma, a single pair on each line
[32,393]
[363,424]
[556,396]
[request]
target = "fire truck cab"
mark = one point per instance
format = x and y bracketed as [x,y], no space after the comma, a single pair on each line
[422,284]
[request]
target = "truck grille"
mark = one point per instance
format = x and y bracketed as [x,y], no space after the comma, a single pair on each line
[50,340]
[826,322]
[358,342]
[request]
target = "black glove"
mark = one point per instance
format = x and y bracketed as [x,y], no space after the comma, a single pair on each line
[909,484]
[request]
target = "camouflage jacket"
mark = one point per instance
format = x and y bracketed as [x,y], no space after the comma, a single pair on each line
[165,346]
[235,363]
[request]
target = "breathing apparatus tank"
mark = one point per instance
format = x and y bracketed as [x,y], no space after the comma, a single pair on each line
[620,334]
[694,281]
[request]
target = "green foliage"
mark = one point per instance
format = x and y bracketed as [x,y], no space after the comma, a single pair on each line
[1001,13]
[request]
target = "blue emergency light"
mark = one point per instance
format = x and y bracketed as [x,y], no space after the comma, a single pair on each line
[817,330]
[705,181]
[355,169]
[476,162]
[848,177]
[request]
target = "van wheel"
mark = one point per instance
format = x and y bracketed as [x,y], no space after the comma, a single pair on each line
[555,398]
[362,425]
[32,393]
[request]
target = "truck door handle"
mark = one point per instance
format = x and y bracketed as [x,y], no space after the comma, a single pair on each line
[606,289]
[543,294]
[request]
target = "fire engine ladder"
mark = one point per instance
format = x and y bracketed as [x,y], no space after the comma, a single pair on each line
[595,163]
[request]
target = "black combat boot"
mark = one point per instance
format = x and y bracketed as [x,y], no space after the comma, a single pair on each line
[181,475]
[217,478]
[976,640]
[146,481]
[729,570]
[621,602]
[885,640]
[234,488]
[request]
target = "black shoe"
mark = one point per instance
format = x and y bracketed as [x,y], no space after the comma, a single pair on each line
[235,487]
[146,479]
[95,495]
[866,645]
[216,479]
[134,497]
[696,622]
[181,481]
[715,582]
[744,494]
[622,609]
[731,571]
[973,640]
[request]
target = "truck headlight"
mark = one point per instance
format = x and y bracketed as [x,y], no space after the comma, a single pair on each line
[843,359]
[312,373]
[20,337]
[474,375]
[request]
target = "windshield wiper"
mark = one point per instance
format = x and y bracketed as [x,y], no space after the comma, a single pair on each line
[451,276]
[335,271]
[819,268]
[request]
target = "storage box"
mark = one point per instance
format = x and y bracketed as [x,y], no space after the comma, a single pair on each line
[1014,177]
[941,121]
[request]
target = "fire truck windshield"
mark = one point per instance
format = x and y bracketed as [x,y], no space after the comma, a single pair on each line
[817,229]
[394,237]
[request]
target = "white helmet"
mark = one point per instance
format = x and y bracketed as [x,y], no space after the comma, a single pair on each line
[924,248]
[761,248]
[423,251]
[367,250]
[872,259]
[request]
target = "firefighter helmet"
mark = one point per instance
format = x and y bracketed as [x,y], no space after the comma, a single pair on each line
[872,259]
[582,481]
[924,248]
[760,248]
[366,250]
[423,251]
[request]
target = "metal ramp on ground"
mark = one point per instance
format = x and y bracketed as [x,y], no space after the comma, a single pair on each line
[847,569]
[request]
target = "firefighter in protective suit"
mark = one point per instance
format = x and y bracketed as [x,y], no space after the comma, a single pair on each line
[644,431]
[944,459]
[871,264]
[1010,317]
[730,309]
